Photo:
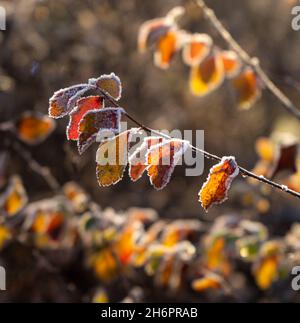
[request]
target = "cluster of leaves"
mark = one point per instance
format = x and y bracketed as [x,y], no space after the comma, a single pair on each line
[179,255]
[279,157]
[209,65]
[91,121]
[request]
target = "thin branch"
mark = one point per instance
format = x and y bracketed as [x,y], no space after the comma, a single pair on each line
[43,171]
[247,59]
[243,171]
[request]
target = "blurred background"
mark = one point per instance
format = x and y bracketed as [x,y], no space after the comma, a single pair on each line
[50,45]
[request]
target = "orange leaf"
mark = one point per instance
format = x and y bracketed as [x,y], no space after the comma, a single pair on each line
[215,189]
[232,63]
[247,87]
[196,48]
[205,283]
[162,159]
[208,75]
[33,128]
[166,48]
[14,198]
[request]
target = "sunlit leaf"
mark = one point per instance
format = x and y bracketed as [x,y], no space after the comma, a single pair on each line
[265,148]
[110,84]
[105,264]
[196,48]
[215,189]
[137,160]
[83,106]
[162,159]
[33,127]
[13,200]
[166,48]
[208,75]
[206,283]
[112,159]
[63,101]
[247,88]
[97,122]
[232,63]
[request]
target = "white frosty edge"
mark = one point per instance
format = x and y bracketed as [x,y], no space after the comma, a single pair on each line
[227,182]
[177,155]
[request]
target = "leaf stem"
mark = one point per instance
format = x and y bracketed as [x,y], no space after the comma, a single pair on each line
[243,170]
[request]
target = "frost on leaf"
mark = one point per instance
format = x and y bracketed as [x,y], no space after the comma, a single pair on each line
[196,48]
[208,75]
[63,101]
[112,159]
[232,63]
[162,159]
[206,283]
[215,189]
[137,161]
[13,200]
[95,122]
[33,127]
[83,106]
[247,88]
[109,83]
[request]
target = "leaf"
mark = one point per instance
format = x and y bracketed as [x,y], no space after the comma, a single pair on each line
[166,48]
[208,75]
[265,149]
[5,235]
[285,159]
[96,122]
[83,106]
[206,283]
[162,159]
[33,127]
[137,161]
[247,88]
[266,272]
[47,221]
[151,31]
[232,63]
[105,264]
[63,101]
[13,200]
[196,48]
[109,83]
[215,189]
[77,197]
[112,158]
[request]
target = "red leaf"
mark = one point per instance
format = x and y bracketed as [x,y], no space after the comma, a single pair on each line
[97,122]
[83,105]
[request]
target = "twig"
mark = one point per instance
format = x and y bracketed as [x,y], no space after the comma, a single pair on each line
[43,171]
[247,59]
[208,155]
